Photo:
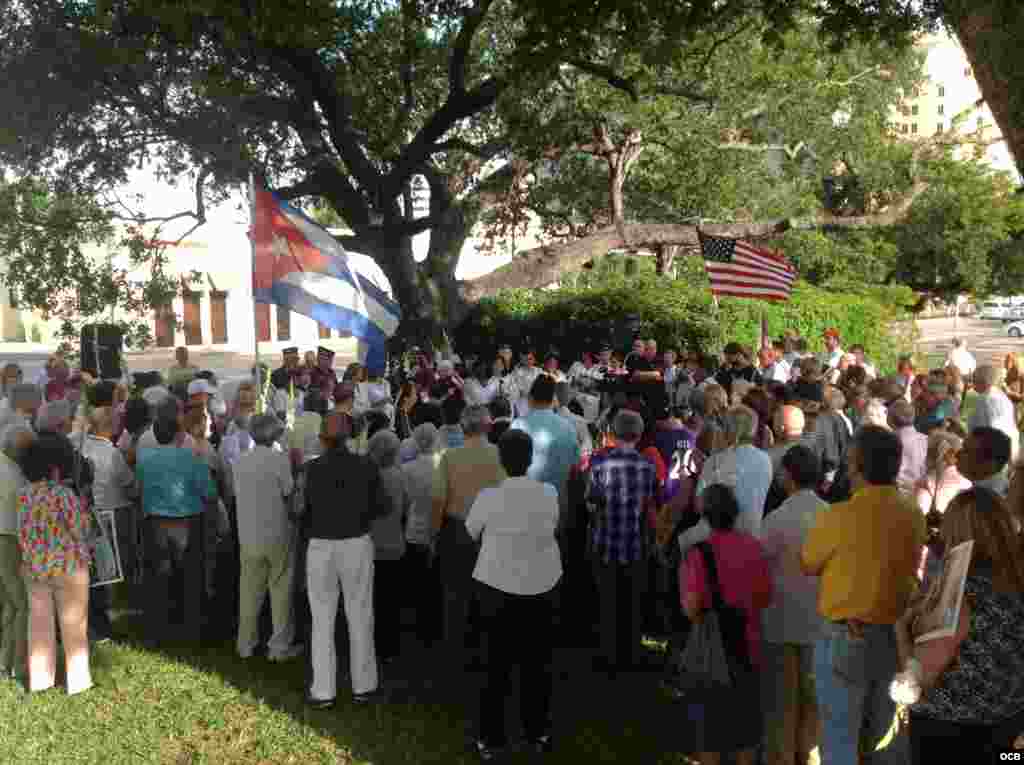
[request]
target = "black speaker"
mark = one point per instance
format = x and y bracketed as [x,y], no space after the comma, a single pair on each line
[100,351]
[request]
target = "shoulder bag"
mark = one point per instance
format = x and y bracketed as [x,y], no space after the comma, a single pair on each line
[715,656]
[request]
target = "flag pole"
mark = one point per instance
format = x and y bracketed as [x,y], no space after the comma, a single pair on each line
[252,245]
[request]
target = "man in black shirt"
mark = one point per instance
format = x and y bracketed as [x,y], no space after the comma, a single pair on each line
[645,377]
[344,495]
[283,375]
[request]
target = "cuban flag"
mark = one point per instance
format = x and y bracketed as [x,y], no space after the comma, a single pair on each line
[298,265]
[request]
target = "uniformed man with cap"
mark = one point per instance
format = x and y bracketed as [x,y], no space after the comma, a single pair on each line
[324,376]
[283,376]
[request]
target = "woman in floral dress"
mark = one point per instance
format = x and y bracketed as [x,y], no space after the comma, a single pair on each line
[54,527]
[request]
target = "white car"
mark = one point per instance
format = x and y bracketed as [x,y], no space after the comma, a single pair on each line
[994,310]
[1016,329]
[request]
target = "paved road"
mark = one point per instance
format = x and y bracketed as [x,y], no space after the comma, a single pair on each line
[986,339]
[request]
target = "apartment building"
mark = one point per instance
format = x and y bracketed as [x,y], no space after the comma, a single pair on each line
[949,99]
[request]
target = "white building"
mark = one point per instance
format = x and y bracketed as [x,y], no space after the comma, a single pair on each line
[217,312]
[948,94]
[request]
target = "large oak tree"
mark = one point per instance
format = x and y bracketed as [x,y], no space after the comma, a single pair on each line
[348,101]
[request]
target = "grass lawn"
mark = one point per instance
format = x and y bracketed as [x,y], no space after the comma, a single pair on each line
[181,704]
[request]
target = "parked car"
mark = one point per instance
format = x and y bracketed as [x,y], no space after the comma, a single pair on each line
[993,310]
[1016,329]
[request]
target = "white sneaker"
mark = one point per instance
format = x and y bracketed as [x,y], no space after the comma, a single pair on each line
[292,652]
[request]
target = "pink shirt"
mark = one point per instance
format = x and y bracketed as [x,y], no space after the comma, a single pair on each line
[743,576]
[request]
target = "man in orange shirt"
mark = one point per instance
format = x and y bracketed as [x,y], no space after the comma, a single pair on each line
[866,552]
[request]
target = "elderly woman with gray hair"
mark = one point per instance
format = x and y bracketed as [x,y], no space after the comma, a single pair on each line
[23,402]
[55,417]
[263,484]
[388,534]
[736,463]
[421,571]
[13,595]
[942,479]
[10,376]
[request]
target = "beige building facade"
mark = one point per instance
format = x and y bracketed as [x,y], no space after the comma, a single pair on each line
[949,99]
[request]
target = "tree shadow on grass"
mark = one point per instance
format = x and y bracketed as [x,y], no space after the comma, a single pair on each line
[429,713]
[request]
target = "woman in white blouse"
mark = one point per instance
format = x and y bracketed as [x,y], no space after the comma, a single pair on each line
[485,385]
[523,377]
[516,572]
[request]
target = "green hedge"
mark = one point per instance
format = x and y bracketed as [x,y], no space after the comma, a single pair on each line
[679,314]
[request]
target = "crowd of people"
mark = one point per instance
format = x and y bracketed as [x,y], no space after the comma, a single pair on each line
[807,496]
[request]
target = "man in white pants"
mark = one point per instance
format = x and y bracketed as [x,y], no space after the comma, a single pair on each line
[343,496]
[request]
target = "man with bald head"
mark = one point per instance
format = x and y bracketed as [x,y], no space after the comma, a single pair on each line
[789,432]
[344,495]
[915,445]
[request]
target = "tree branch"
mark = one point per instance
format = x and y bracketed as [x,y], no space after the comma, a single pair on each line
[329,182]
[472,20]
[406,71]
[539,267]
[682,92]
[316,77]
[760,110]
[484,151]
[542,266]
[198,214]
[718,43]
[609,75]
[455,109]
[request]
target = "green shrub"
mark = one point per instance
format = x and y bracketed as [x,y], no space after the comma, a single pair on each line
[680,314]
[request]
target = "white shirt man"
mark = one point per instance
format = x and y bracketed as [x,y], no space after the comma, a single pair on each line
[793,615]
[524,377]
[993,409]
[773,367]
[962,359]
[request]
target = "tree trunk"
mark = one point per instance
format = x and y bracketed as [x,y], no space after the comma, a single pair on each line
[990,32]
[426,292]
[665,258]
[618,202]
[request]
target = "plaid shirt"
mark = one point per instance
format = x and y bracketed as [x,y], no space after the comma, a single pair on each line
[621,483]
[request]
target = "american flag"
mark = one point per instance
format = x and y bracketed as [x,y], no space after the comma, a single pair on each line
[738,269]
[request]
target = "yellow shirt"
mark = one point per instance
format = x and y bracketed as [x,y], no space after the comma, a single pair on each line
[866,552]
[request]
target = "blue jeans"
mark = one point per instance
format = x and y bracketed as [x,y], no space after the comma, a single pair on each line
[852,683]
